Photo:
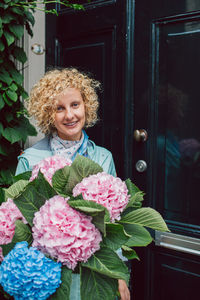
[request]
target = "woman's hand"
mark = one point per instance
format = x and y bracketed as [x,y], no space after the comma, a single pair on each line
[123,290]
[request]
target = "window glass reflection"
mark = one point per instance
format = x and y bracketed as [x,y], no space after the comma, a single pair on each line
[178,141]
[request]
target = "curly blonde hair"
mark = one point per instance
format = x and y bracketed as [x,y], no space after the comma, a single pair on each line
[42,100]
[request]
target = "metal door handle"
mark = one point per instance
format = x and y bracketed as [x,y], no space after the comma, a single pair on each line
[178,242]
[140,135]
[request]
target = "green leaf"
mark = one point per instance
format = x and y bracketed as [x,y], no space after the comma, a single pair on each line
[6,100]
[60,179]
[135,202]
[4,76]
[16,189]
[19,54]
[13,87]
[83,167]
[3,86]
[30,17]
[9,38]
[12,135]
[16,75]
[100,219]
[64,180]
[25,127]
[2,196]
[2,103]
[99,213]
[132,188]
[7,18]
[24,95]
[136,194]
[18,10]
[6,176]
[22,176]
[12,95]
[106,262]
[89,207]
[129,253]
[34,196]
[17,30]
[145,216]
[22,233]
[63,292]
[115,236]
[140,237]
[2,47]
[101,286]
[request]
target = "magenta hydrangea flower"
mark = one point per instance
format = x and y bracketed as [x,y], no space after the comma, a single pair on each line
[9,213]
[105,189]
[49,166]
[64,233]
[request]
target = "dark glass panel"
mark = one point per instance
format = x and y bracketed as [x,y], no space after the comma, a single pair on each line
[178,105]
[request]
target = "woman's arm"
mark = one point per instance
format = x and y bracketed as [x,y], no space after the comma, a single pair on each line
[123,290]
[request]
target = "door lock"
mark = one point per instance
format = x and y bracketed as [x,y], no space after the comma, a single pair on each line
[140,135]
[141,166]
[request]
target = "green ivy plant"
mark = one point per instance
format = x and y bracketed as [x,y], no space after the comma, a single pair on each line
[15,16]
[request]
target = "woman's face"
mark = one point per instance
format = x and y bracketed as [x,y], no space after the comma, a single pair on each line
[70,115]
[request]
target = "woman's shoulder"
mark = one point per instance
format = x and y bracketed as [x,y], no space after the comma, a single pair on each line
[102,156]
[36,153]
[94,150]
[43,144]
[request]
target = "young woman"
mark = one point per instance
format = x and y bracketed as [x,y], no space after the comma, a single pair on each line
[64,102]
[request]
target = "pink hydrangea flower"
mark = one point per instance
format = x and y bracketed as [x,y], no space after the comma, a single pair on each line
[9,213]
[105,189]
[64,233]
[1,255]
[49,166]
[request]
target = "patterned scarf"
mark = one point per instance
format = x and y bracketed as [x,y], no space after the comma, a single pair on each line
[69,149]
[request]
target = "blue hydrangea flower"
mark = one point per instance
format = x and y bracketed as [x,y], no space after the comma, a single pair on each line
[26,273]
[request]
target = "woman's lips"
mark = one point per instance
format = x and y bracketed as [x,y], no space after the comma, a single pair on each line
[71,124]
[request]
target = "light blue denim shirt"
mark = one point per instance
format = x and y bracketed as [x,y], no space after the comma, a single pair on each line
[42,150]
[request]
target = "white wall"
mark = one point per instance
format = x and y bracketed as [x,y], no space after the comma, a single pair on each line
[35,66]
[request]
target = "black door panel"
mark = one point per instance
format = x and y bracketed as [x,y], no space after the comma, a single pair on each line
[94,41]
[146,54]
[167,105]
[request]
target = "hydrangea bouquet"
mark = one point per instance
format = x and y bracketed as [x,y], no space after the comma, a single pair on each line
[66,218]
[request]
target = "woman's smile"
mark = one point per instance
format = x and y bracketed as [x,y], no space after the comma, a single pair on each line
[71,124]
[70,115]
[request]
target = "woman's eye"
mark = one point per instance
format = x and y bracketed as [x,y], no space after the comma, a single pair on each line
[59,108]
[75,104]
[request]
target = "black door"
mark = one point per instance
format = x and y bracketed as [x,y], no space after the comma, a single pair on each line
[94,41]
[167,164]
[146,54]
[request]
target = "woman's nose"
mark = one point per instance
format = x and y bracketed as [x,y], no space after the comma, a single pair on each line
[68,114]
